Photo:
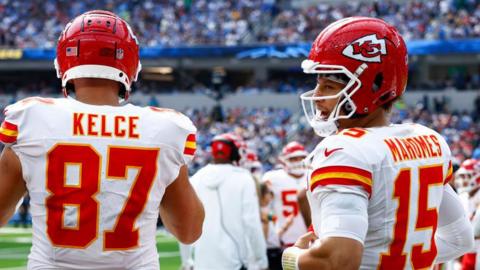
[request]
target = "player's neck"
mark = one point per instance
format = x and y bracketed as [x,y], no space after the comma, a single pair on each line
[97,91]
[221,161]
[378,118]
[97,96]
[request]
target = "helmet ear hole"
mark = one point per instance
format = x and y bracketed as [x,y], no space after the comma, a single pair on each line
[377,83]
[123,92]
[385,97]
[347,107]
[69,87]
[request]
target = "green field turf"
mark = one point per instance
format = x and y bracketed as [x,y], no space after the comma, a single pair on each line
[15,245]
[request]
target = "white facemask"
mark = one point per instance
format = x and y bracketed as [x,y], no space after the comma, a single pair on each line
[324,128]
[326,125]
[295,168]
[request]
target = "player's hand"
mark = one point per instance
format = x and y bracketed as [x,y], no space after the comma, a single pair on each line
[264,217]
[305,240]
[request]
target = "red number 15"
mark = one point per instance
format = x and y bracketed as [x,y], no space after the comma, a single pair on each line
[426,219]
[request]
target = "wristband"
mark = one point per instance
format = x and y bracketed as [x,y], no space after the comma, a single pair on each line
[290,258]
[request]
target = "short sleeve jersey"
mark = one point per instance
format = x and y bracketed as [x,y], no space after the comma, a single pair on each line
[96,176]
[285,202]
[400,170]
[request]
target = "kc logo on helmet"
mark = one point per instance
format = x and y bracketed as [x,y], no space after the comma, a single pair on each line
[368,49]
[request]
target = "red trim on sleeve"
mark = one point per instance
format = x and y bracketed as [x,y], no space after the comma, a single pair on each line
[10,126]
[342,175]
[190,145]
[449,176]
[191,137]
[7,139]
[342,182]
[341,169]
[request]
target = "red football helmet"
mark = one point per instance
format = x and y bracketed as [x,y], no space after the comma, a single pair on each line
[250,161]
[98,44]
[228,146]
[293,150]
[468,175]
[372,58]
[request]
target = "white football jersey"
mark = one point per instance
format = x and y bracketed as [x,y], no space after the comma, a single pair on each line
[285,202]
[96,176]
[401,171]
[470,202]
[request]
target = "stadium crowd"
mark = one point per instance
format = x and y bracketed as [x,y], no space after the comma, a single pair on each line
[38,23]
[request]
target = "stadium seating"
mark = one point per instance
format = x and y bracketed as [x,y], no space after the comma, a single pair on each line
[27,24]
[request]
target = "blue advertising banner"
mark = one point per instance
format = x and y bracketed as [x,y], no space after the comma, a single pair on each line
[300,50]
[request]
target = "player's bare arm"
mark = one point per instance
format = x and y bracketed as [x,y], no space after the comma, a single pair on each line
[343,219]
[181,210]
[304,207]
[12,186]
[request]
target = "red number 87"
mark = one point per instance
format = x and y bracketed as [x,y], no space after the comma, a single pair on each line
[82,196]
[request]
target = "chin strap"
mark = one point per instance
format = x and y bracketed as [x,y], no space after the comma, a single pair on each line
[65,92]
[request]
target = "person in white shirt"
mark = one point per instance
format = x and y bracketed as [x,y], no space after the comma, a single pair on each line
[232,232]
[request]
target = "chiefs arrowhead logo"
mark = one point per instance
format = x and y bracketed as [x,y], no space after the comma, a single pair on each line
[368,49]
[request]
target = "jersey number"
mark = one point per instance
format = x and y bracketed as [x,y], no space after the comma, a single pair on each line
[289,200]
[82,194]
[427,219]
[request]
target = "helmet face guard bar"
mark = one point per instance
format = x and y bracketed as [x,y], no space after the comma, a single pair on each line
[322,124]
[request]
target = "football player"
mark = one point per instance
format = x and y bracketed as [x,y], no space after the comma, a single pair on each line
[377,191]
[467,183]
[250,162]
[285,184]
[98,172]
[232,237]
[467,179]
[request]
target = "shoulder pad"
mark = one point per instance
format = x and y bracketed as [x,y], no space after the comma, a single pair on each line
[176,117]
